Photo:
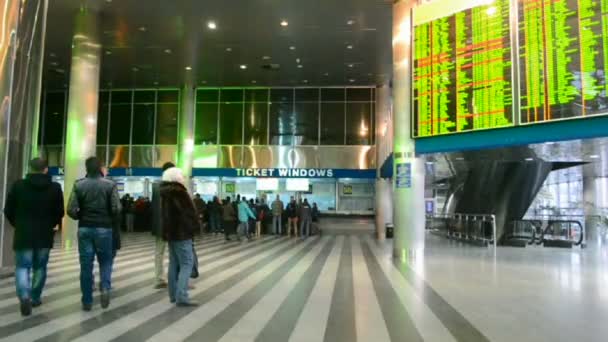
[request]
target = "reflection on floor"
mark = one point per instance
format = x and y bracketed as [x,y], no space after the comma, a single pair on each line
[336,287]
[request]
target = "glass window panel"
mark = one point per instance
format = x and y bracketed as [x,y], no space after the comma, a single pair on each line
[358,127]
[307,123]
[104,97]
[256,120]
[143,131]
[166,123]
[207,95]
[232,95]
[102,124]
[307,95]
[294,128]
[145,96]
[281,123]
[206,123]
[332,94]
[121,96]
[359,94]
[256,95]
[168,96]
[54,118]
[373,123]
[120,123]
[281,95]
[231,123]
[332,124]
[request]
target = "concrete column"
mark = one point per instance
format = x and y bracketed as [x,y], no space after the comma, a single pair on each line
[384,147]
[21,54]
[186,132]
[408,180]
[81,136]
[593,191]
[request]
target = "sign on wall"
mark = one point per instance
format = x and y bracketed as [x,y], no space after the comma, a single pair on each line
[403,178]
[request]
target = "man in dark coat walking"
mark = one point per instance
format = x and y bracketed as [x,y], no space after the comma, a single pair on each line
[159,250]
[34,206]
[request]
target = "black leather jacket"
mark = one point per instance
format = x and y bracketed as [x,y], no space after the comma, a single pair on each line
[94,202]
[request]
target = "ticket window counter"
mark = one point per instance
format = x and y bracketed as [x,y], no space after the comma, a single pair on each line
[356,196]
[320,191]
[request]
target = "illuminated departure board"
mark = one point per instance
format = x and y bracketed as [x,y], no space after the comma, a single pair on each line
[563,58]
[462,72]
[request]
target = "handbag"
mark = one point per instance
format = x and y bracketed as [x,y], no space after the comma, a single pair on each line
[194,273]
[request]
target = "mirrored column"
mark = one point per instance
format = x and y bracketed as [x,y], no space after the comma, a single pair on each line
[81,138]
[408,175]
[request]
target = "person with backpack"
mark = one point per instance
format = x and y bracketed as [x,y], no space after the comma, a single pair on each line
[245,213]
[34,207]
[263,213]
[292,216]
[305,218]
[277,216]
[229,217]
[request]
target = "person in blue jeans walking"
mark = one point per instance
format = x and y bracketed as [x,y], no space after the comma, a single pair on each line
[245,213]
[179,223]
[34,207]
[95,204]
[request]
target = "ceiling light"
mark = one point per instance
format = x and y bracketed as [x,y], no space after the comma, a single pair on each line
[529,159]
[52,55]
[350,47]
[266,58]
[254,81]
[228,49]
[188,68]
[155,83]
[326,74]
[203,82]
[212,25]
[108,52]
[351,65]
[243,66]
[284,23]
[167,50]
[459,158]
[142,29]
[108,1]
[61,71]
[54,63]
[305,81]
[300,66]
[292,48]
[491,10]
[135,69]
[350,22]
[298,60]
[594,156]
[352,80]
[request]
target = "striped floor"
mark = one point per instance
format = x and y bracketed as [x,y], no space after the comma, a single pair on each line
[330,288]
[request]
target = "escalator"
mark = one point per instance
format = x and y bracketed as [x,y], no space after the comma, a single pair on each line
[551,233]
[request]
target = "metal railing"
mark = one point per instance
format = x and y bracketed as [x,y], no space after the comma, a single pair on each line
[539,231]
[471,228]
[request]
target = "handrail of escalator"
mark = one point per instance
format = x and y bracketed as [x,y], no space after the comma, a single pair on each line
[553,223]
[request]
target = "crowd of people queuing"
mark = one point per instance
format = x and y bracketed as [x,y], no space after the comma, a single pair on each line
[253,217]
[173,217]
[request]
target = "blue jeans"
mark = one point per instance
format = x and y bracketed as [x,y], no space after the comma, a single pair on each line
[94,242]
[277,224]
[181,261]
[214,223]
[27,260]
[305,227]
[243,229]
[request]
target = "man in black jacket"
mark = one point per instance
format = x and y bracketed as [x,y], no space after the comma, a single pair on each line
[34,206]
[159,250]
[94,202]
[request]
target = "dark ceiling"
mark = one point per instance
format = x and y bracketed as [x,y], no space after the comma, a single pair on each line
[150,43]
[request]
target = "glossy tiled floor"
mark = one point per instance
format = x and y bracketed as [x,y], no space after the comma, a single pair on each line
[342,286]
